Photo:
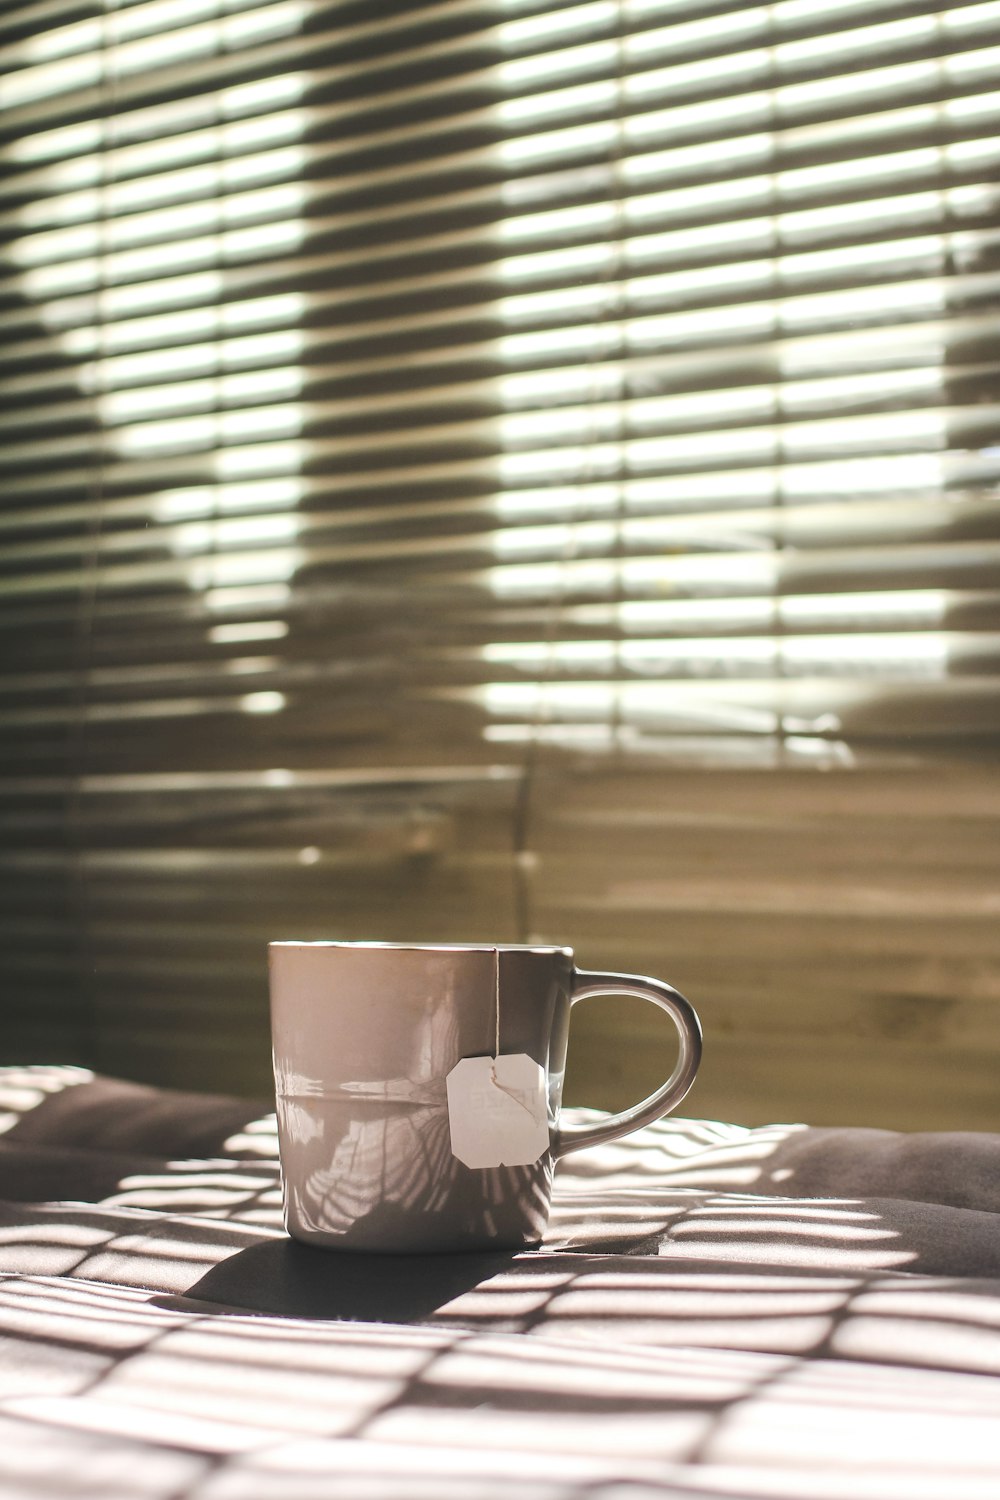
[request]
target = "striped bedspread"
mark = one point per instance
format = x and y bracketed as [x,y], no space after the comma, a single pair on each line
[782,1313]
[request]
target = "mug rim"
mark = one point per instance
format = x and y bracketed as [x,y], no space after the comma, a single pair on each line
[376,946]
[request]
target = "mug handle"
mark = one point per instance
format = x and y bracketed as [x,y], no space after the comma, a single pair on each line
[591,982]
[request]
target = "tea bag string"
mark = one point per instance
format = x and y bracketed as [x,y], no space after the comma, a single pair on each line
[511,1093]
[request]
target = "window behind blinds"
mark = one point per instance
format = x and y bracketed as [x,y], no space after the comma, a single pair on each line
[506,470]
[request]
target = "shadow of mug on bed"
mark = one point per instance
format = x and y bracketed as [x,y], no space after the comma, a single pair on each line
[372,1043]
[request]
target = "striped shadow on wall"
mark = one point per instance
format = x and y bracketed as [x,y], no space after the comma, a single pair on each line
[496,471]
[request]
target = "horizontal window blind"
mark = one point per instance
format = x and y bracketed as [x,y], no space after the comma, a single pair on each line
[459,461]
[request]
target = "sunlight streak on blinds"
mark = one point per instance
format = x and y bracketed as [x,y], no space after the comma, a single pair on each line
[474,393]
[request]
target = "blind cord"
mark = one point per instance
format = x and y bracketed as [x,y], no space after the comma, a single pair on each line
[611,311]
[78,737]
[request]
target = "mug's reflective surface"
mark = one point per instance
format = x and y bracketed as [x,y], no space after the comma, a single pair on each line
[364,1037]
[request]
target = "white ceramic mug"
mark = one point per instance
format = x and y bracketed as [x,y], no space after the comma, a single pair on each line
[365,1037]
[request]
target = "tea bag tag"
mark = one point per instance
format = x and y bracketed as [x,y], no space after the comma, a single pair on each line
[497,1110]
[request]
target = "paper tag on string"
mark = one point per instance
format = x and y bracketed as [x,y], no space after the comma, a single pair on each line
[497,1106]
[497,1110]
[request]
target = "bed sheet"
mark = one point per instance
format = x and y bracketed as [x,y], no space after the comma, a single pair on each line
[783,1313]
